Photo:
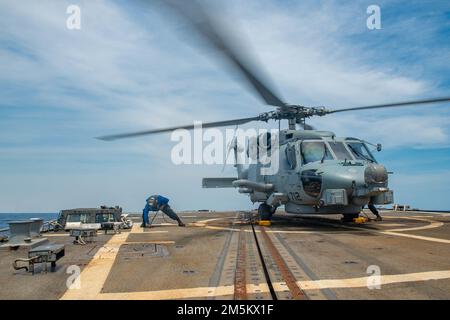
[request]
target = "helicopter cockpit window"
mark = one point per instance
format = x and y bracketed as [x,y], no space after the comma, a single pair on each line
[313,151]
[340,151]
[291,156]
[360,151]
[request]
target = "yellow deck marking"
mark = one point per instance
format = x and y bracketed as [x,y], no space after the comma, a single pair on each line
[202,223]
[147,230]
[201,292]
[430,214]
[391,225]
[185,293]
[362,281]
[396,232]
[432,224]
[412,236]
[435,215]
[96,272]
[94,275]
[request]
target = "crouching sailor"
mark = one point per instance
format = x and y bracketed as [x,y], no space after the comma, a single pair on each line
[155,203]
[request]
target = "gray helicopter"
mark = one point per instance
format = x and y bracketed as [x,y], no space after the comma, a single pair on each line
[319,173]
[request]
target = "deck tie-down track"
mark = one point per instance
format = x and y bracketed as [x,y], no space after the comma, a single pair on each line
[255,242]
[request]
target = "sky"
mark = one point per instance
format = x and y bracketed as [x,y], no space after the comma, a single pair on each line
[132,67]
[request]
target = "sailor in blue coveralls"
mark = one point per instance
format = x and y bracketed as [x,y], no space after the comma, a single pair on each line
[155,203]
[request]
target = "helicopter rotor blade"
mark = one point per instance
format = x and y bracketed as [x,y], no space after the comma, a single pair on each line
[391,105]
[187,127]
[203,20]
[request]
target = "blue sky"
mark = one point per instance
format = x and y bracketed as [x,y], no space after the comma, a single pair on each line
[131,68]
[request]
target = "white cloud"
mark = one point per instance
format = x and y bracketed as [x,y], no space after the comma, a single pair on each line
[392,131]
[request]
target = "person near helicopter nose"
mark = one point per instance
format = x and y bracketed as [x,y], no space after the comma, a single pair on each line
[374,210]
[155,203]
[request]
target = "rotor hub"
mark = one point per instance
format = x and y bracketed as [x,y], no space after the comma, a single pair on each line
[293,112]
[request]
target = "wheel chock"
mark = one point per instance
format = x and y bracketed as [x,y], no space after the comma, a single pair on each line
[359,220]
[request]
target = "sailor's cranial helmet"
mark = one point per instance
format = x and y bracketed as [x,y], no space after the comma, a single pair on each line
[151,201]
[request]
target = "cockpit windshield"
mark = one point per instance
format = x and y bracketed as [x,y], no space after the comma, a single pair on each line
[315,151]
[360,151]
[339,150]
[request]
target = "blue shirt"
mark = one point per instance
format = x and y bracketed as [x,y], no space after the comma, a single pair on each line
[160,201]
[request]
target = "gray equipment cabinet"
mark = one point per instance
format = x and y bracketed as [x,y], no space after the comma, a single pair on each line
[83,235]
[44,254]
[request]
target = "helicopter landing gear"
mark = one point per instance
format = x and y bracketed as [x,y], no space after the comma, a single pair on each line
[349,217]
[265,211]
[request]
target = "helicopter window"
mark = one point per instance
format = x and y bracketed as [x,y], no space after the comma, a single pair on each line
[291,157]
[315,151]
[78,217]
[104,217]
[340,151]
[360,151]
[312,183]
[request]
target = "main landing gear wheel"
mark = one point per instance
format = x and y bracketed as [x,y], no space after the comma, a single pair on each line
[349,217]
[265,211]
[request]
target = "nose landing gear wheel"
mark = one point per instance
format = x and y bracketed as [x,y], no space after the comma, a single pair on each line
[265,211]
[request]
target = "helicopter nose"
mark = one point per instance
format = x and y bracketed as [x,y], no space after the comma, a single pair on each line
[375,173]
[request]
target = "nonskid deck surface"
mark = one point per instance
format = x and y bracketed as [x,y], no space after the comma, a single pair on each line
[224,255]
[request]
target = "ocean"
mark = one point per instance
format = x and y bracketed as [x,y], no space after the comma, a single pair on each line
[6,217]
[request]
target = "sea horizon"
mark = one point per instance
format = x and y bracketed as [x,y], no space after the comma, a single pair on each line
[6,217]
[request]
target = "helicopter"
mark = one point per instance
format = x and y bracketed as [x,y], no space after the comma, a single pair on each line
[319,173]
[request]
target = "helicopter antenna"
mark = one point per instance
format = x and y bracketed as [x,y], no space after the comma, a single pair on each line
[229,147]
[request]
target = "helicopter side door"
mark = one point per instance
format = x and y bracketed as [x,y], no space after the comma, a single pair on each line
[290,167]
[311,154]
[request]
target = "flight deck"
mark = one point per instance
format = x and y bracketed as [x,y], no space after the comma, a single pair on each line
[228,255]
